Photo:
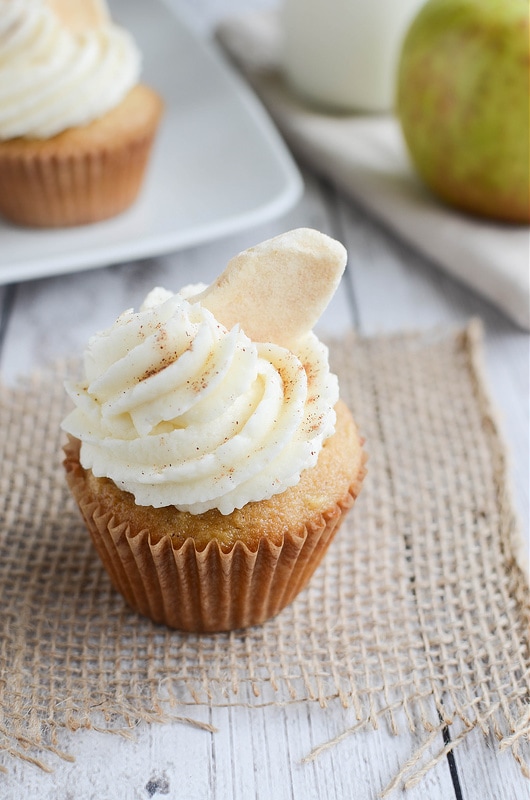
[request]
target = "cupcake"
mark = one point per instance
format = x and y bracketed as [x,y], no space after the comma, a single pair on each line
[212,459]
[76,127]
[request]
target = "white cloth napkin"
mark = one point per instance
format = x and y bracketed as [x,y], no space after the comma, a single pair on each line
[365,155]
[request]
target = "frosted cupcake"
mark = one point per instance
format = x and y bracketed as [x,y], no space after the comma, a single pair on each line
[212,459]
[76,127]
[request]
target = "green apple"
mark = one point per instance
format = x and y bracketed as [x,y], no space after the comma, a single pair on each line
[463,104]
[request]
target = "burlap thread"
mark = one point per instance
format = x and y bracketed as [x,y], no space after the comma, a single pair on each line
[419,614]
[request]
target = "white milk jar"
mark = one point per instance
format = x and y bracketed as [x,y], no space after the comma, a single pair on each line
[342,54]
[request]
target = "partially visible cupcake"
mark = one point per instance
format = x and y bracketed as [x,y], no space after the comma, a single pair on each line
[213,470]
[76,127]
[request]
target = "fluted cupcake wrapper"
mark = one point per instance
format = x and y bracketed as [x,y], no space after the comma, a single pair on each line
[206,590]
[71,189]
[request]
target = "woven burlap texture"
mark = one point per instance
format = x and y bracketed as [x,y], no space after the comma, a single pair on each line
[419,614]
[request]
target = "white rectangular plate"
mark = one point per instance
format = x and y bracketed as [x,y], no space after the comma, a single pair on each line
[218,165]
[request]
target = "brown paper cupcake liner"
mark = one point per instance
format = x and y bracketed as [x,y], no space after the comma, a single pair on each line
[83,175]
[71,190]
[206,590]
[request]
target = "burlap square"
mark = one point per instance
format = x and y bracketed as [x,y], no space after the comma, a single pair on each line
[418,615]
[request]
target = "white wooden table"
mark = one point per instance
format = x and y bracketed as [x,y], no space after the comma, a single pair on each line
[258,752]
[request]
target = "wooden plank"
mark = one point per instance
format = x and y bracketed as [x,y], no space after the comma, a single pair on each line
[485,772]
[256,753]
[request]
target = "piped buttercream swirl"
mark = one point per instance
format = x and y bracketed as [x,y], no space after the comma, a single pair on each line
[53,78]
[180,411]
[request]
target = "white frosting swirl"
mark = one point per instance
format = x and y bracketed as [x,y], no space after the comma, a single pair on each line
[52,78]
[180,411]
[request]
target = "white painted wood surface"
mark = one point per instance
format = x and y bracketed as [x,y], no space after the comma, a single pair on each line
[257,753]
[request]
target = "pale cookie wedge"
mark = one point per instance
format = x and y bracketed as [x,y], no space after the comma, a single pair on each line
[278,290]
[80,15]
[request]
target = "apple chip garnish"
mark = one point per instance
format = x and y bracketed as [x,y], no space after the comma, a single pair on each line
[81,15]
[278,289]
